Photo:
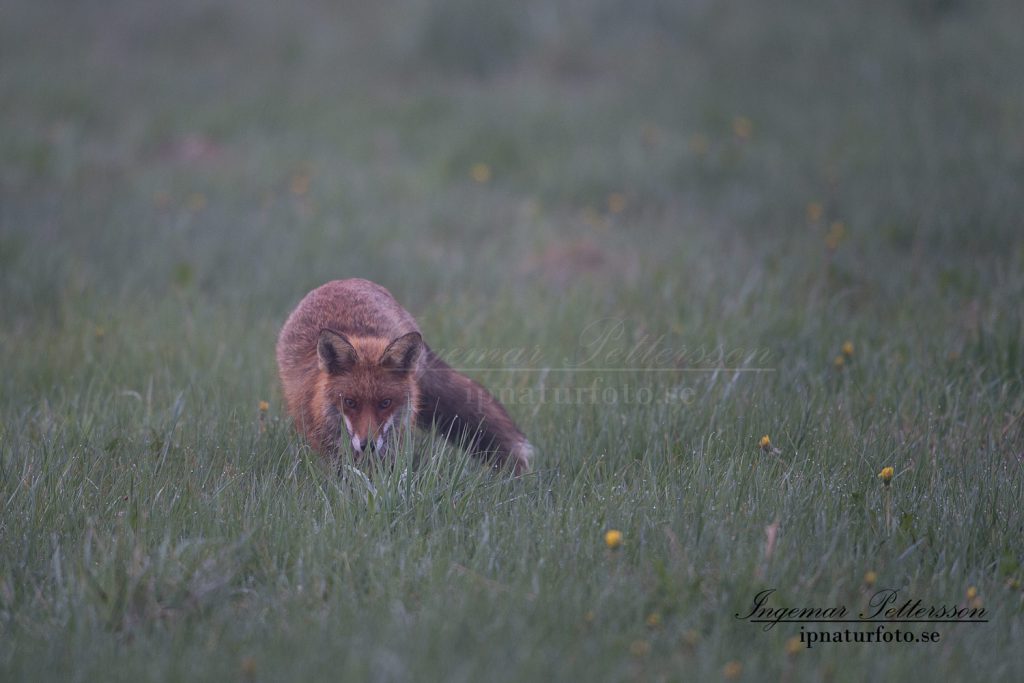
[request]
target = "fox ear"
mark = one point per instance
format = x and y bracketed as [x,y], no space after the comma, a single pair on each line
[335,353]
[402,353]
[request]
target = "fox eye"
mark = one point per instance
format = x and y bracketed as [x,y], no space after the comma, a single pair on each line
[385,403]
[350,403]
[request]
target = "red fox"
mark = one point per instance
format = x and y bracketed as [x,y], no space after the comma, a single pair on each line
[350,357]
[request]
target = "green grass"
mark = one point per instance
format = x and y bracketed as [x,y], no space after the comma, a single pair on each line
[173,178]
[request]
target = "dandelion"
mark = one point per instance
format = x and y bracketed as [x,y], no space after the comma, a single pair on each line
[196,202]
[848,348]
[480,173]
[732,670]
[616,202]
[300,184]
[765,445]
[814,212]
[793,646]
[836,234]
[264,407]
[248,668]
[613,538]
[639,648]
[690,639]
[653,620]
[870,577]
[742,127]
[886,476]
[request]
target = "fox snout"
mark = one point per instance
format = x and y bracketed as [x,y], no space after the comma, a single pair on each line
[369,437]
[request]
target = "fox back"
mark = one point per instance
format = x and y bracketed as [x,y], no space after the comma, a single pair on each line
[349,356]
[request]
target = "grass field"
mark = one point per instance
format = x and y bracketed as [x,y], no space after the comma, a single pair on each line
[677,213]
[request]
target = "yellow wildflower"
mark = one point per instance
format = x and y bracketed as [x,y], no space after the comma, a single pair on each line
[870,577]
[480,173]
[653,620]
[613,538]
[264,406]
[690,638]
[814,212]
[848,348]
[742,127]
[836,234]
[300,184]
[972,592]
[616,202]
[793,645]
[196,201]
[839,361]
[765,443]
[886,475]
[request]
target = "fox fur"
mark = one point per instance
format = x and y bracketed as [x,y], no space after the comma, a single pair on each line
[354,369]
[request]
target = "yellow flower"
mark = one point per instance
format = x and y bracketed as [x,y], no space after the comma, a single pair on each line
[814,212]
[248,667]
[836,234]
[765,443]
[264,406]
[742,127]
[870,577]
[300,184]
[972,592]
[196,201]
[848,349]
[616,202]
[613,538]
[732,670]
[690,638]
[480,173]
[640,648]
[653,620]
[839,362]
[793,645]
[886,475]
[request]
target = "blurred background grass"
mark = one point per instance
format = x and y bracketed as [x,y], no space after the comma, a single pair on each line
[173,178]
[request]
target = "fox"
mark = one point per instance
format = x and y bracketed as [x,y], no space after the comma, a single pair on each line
[354,370]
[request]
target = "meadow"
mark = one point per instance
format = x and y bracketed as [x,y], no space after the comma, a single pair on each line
[660,231]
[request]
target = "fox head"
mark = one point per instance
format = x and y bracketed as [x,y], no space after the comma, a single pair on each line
[368,384]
